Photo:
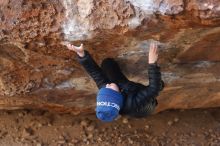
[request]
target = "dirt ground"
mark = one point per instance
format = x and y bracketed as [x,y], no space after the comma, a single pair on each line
[197,127]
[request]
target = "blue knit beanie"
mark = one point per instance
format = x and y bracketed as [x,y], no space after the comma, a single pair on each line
[109,103]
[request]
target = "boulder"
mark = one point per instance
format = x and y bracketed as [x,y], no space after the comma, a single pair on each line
[38,72]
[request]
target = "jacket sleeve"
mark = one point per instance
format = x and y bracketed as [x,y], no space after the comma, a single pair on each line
[145,100]
[93,69]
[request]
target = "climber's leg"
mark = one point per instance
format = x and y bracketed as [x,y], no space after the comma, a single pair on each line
[112,70]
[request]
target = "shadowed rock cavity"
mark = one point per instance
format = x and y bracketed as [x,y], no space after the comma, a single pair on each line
[37,71]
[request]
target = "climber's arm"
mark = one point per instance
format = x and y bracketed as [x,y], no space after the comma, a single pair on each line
[89,65]
[145,100]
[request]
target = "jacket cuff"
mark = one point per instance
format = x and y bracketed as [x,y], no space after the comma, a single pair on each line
[81,59]
[153,65]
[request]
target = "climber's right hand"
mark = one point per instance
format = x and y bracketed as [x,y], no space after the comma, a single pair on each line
[153,53]
[79,50]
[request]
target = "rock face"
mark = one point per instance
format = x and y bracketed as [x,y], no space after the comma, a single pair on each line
[37,71]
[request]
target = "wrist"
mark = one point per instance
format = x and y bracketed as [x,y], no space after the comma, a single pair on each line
[81,54]
[153,63]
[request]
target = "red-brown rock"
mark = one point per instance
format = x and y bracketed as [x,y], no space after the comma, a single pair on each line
[37,71]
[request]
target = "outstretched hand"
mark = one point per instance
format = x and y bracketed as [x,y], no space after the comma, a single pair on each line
[79,50]
[153,54]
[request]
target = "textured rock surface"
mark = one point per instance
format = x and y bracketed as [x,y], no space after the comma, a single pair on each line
[36,71]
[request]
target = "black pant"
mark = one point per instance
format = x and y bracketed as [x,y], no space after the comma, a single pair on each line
[112,70]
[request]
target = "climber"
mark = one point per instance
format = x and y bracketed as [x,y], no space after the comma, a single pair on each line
[117,95]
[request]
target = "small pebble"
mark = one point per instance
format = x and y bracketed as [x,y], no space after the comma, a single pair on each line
[20,114]
[90,127]
[38,144]
[147,126]
[61,142]
[176,144]
[130,141]
[125,120]
[210,130]
[192,134]
[99,139]
[61,137]
[39,125]
[176,119]
[27,132]
[90,135]
[84,123]
[170,123]
[87,142]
